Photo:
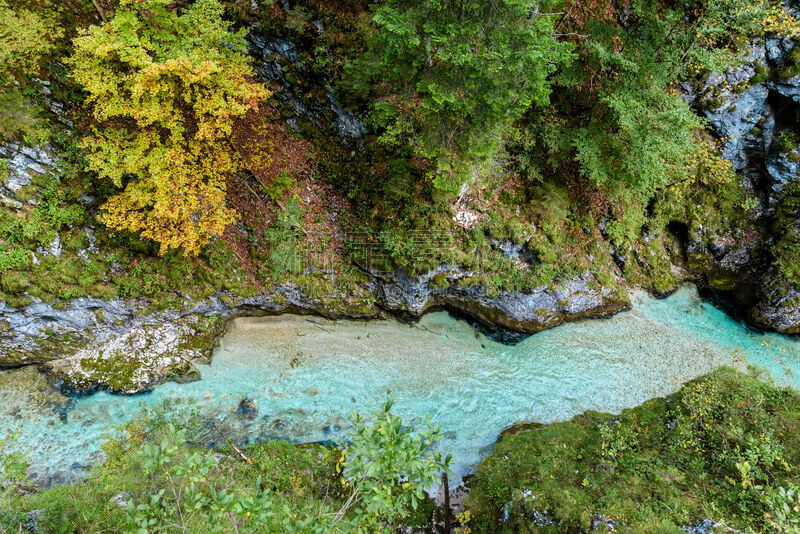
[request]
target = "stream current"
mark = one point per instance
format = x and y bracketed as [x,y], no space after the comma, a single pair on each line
[306,375]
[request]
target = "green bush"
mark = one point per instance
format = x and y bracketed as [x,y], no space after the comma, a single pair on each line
[155,479]
[277,189]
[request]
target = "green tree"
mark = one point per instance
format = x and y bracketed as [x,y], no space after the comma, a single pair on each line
[618,118]
[388,468]
[453,75]
[165,87]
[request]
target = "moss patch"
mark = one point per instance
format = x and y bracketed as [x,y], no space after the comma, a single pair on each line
[668,463]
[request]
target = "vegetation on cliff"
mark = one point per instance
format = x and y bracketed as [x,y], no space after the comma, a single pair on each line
[722,449]
[559,124]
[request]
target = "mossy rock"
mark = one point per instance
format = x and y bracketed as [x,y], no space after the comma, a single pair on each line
[439,281]
[137,360]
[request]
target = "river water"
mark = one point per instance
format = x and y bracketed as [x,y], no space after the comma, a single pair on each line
[306,375]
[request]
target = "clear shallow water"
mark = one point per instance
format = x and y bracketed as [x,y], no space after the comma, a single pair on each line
[306,375]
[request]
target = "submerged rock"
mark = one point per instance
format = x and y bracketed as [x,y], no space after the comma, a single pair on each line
[247,409]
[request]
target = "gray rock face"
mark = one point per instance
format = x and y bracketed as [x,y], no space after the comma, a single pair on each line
[41,319]
[525,312]
[272,55]
[88,344]
[749,121]
[728,262]
[778,306]
[32,520]
[123,346]
[601,523]
[777,48]
[347,124]
[736,122]
[53,249]
[790,88]
[754,125]
[24,163]
[783,168]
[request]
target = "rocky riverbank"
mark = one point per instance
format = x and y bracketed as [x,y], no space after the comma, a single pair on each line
[128,345]
[121,346]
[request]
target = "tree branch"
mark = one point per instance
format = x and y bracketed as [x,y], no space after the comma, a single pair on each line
[99,11]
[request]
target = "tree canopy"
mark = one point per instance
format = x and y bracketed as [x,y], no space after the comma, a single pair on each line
[165,86]
[453,75]
[619,117]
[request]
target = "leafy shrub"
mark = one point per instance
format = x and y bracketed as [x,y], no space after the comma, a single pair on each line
[388,468]
[279,186]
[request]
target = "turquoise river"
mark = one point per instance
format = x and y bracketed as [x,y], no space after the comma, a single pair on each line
[306,375]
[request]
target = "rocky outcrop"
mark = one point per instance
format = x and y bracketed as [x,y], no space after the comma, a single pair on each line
[120,346]
[778,306]
[124,346]
[755,111]
[752,108]
[22,164]
[745,122]
[274,56]
[729,266]
[134,361]
[525,312]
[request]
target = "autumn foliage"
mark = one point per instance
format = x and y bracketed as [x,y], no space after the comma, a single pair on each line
[166,86]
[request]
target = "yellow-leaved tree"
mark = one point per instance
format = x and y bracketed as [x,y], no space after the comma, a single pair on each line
[166,85]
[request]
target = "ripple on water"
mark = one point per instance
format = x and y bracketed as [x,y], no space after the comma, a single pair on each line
[306,375]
